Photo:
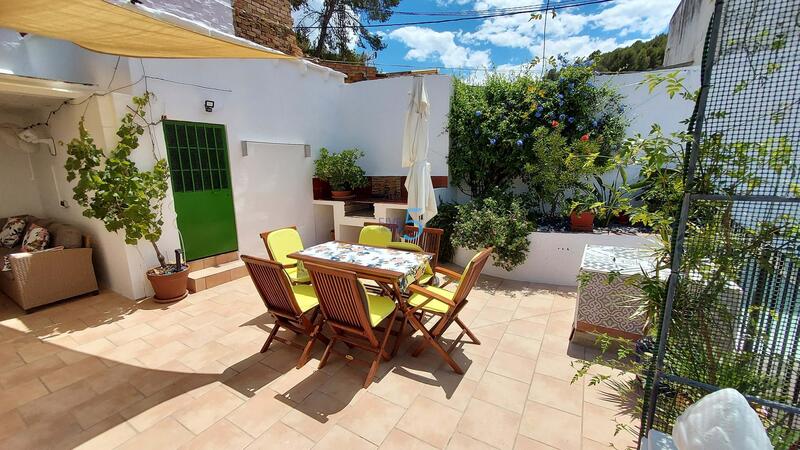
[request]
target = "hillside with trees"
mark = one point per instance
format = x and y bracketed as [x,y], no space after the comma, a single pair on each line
[635,57]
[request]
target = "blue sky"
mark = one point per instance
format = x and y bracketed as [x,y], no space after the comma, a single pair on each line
[508,42]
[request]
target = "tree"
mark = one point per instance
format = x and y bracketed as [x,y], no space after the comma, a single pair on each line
[637,56]
[338,23]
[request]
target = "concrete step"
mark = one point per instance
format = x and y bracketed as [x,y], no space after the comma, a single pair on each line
[212,261]
[209,277]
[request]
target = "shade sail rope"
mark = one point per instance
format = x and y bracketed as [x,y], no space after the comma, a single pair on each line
[126,30]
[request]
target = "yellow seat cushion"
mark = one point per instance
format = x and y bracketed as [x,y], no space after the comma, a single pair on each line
[379,308]
[284,242]
[433,305]
[426,278]
[375,235]
[294,278]
[407,246]
[305,296]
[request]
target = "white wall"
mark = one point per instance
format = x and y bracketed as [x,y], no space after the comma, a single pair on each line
[20,192]
[270,101]
[687,32]
[555,258]
[373,113]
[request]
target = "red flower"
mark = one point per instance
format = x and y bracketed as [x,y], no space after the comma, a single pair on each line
[554,123]
[585,137]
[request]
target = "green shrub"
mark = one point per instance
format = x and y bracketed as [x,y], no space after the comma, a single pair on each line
[493,126]
[340,170]
[500,222]
[446,220]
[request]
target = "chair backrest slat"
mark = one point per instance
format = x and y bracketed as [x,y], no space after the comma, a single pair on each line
[471,274]
[430,239]
[342,299]
[272,285]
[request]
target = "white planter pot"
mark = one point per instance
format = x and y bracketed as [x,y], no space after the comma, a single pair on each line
[555,258]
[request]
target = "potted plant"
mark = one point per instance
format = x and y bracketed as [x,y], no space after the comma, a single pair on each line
[583,211]
[112,189]
[340,171]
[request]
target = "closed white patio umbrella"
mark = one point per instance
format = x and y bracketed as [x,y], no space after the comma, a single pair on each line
[421,198]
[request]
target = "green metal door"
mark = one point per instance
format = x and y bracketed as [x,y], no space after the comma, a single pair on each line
[198,161]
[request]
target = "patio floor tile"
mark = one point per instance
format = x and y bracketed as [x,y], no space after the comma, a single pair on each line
[490,424]
[430,421]
[105,372]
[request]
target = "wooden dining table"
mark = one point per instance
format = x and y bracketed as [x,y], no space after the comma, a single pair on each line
[392,270]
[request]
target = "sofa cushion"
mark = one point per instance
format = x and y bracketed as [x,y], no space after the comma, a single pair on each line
[36,239]
[12,232]
[63,235]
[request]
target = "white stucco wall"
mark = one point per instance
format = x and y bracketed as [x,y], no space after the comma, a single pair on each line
[687,32]
[269,101]
[15,169]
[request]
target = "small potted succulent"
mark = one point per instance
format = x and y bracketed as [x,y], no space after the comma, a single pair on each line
[113,189]
[340,171]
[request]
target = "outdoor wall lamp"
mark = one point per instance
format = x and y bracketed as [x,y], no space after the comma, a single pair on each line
[209,105]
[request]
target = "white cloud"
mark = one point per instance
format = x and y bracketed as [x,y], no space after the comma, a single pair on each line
[636,16]
[426,44]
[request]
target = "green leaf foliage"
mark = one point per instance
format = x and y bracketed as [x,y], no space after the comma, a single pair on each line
[111,188]
[641,55]
[340,170]
[500,222]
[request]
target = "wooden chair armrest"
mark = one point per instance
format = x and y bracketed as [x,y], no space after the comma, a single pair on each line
[416,289]
[452,274]
[288,266]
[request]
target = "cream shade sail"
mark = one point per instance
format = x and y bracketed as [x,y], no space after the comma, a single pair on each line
[120,28]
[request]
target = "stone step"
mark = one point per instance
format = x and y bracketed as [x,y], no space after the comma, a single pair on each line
[212,261]
[209,277]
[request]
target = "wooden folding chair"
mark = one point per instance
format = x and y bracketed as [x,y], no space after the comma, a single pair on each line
[430,239]
[282,242]
[445,305]
[352,314]
[290,305]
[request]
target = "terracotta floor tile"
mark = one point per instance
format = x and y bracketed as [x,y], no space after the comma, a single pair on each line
[491,424]
[462,441]
[281,437]
[556,366]
[557,393]
[397,388]
[204,355]
[372,418]
[600,425]
[165,434]
[339,438]
[496,315]
[526,328]
[73,373]
[520,346]
[430,422]
[36,350]
[526,443]
[450,389]
[501,391]
[27,372]
[259,413]
[512,366]
[252,379]
[315,416]
[162,354]
[207,409]
[151,410]
[398,440]
[222,434]
[129,334]
[297,384]
[551,426]
[10,422]
[109,433]
[21,395]
[105,405]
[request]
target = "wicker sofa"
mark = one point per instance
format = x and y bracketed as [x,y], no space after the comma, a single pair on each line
[41,278]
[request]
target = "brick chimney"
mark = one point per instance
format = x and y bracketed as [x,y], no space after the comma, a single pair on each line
[266,22]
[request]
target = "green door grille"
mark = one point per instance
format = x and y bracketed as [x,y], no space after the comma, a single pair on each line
[198,159]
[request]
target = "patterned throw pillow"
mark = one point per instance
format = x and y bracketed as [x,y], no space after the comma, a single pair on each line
[36,239]
[12,232]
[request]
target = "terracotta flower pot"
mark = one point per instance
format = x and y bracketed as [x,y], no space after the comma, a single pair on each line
[581,221]
[341,194]
[623,219]
[169,288]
